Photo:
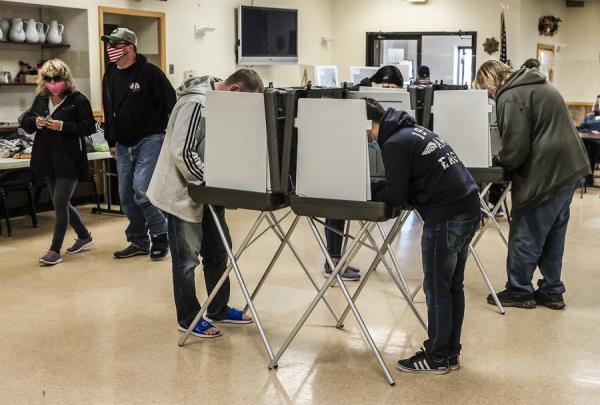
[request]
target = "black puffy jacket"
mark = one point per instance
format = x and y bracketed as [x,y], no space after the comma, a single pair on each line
[60,154]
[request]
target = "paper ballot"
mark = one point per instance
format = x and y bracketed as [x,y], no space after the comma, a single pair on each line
[333,159]
[235,155]
[461,118]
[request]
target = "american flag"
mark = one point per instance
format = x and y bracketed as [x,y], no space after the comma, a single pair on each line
[503,56]
[112,51]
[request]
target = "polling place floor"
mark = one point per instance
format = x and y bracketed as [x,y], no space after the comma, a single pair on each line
[100,331]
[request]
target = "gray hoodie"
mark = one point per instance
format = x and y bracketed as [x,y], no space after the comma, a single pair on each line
[181,158]
[540,145]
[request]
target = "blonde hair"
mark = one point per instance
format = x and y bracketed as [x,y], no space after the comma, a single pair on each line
[54,67]
[491,76]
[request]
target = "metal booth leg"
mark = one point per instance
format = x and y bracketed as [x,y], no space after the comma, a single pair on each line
[213,293]
[355,312]
[315,301]
[486,279]
[378,258]
[242,284]
[284,239]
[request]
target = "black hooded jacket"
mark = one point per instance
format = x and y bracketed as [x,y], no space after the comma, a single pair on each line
[60,154]
[423,172]
[140,110]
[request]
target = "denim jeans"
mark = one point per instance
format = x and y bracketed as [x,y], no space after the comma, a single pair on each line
[135,165]
[537,239]
[334,240]
[187,241]
[444,247]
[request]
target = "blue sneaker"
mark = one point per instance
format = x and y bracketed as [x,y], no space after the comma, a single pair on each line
[200,329]
[234,315]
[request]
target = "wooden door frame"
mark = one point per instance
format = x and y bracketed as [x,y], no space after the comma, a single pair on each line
[546,47]
[135,13]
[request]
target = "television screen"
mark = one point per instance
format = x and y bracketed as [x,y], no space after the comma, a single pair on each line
[267,35]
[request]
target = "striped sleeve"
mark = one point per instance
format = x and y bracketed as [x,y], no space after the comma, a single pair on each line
[184,142]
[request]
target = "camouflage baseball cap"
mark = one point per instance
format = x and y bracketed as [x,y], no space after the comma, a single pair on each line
[121,34]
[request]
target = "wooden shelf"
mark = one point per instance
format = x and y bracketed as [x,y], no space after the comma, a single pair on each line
[17,84]
[28,45]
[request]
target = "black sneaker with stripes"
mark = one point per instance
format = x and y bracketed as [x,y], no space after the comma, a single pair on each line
[421,362]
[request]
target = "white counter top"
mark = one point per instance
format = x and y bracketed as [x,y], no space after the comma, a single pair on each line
[10,163]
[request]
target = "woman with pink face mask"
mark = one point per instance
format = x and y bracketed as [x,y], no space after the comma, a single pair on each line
[61,118]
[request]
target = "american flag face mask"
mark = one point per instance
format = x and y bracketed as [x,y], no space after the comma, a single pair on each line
[115,52]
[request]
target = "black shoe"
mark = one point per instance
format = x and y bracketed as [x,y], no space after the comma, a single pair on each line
[454,362]
[349,268]
[160,247]
[422,363]
[347,275]
[550,300]
[509,299]
[130,251]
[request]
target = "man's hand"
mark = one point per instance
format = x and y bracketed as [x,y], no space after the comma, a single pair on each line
[113,152]
[41,122]
[54,125]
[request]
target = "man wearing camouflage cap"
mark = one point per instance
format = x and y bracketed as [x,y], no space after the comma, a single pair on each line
[137,99]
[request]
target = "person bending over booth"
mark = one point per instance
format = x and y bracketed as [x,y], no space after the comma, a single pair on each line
[546,159]
[591,125]
[386,77]
[422,171]
[191,227]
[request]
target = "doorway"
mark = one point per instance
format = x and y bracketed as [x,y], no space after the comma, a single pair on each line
[148,26]
[450,56]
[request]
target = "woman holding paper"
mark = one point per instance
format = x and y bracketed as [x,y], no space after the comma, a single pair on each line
[61,118]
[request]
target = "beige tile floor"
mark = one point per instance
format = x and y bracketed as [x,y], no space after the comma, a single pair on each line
[100,331]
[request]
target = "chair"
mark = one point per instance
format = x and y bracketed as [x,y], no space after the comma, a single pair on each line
[13,184]
[4,212]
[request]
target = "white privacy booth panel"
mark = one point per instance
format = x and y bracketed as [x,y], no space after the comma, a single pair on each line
[358,73]
[332,149]
[461,118]
[394,98]
[235,155]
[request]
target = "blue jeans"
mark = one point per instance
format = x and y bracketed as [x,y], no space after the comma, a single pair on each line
[135,165]
[187,241]
[537,239]
[444,247]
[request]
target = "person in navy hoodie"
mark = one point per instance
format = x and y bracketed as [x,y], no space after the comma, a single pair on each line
[422,172]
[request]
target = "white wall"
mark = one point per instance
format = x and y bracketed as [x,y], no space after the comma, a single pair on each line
[354,18]
[577,68]
[347,21]
[215,52]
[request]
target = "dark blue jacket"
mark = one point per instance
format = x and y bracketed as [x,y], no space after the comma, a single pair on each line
[423,172]
[590,123]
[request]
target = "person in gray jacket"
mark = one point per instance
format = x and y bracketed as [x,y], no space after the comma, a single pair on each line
[191,228]
[546,160]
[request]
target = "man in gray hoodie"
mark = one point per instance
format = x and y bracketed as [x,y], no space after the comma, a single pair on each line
[546,159]
[191,233]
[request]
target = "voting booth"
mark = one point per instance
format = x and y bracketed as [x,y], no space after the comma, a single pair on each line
[336,185]
[247,166]
[466,120]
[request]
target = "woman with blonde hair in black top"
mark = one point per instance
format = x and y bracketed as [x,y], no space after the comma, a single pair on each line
[61,118]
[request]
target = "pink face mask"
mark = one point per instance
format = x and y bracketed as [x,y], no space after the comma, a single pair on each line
[56,88]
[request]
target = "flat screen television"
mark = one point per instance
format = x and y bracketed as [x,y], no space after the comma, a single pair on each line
[267,36]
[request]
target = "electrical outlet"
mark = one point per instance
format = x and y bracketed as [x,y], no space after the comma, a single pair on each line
[171,69]
[22,104]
